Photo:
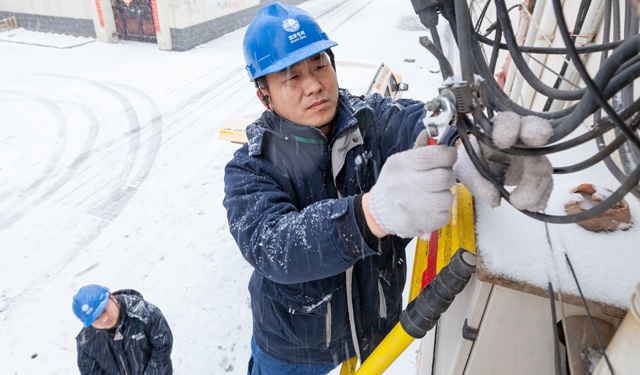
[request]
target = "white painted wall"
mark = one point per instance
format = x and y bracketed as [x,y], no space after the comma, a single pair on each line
[184,13]
[56,8]
[105,30]
[164,36]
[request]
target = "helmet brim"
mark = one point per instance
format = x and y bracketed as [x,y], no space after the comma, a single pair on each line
[97,312]
[297,56]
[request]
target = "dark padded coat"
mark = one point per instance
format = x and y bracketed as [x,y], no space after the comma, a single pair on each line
[140,345]
[290,207]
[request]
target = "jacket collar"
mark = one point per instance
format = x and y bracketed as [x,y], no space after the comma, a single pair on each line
[269,122]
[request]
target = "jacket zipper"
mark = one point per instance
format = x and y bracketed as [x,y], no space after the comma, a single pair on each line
[383,301]
[328,323]
[123,366]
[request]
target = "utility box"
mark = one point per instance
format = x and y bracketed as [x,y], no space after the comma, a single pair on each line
[492,329]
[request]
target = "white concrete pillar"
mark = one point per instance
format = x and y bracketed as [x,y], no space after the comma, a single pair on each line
[160,19]
[103,20]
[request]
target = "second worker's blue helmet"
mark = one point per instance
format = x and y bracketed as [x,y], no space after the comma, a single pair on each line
[89,303]
[279,36]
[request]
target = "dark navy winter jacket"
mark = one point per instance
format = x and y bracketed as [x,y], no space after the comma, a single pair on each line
[140,345]
[290,207]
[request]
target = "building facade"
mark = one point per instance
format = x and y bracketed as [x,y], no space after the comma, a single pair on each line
[177,25]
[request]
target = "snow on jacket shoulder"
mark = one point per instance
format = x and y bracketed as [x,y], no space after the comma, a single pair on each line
[140,345]
[289,200]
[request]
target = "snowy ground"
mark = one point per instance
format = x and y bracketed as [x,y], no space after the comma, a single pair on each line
[111,173]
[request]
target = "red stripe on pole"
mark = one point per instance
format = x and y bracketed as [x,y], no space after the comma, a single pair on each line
[100,14]
[432,259]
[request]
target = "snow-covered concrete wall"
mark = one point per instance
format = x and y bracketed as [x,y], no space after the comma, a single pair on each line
[194,22]
[67,17]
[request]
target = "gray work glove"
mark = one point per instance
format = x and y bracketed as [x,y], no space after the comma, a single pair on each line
[411,197]
[531,174]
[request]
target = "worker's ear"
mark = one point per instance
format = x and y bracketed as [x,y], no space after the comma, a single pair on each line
[263,95]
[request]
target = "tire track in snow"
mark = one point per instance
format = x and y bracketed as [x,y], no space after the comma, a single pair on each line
[327,14]
[154,142]
[22,195]
[24,210]
[42,284]
[176,116]
[25,139]
[18,303]
[60,121]
[350,16]
[120,180]
[189,82]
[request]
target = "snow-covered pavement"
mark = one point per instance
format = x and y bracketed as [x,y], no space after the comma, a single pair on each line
[111,173]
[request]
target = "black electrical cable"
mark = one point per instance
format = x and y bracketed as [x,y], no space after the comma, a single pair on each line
[463,26]
[599,209]
[593,88]
[559,118]
[522,65]
[609,163]
[629,155]
[616,20]
[436,37]
[556,340]
[599,156]
[445,67]
[495,51]
[613,168]
[498,100]
[496,97]
[603,126]
[481,17]
[494,25]
[552,50]
[593,326]
[580,17]
[594,97]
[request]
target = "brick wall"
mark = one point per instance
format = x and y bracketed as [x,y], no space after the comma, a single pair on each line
[189,37]
[50,24]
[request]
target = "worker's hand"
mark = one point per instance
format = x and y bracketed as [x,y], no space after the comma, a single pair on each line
[532,175]
[411,197]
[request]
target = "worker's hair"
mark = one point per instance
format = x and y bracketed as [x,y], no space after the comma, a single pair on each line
[261,82]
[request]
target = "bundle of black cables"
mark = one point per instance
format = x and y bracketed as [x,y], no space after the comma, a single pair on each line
[619,67]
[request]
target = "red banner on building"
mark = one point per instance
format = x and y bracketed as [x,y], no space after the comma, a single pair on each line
[100,14]
[156,21]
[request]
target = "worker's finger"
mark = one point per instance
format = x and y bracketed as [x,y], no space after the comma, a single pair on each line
[506,129]
[431,157]
[535,131]
[422,140]
[534,189]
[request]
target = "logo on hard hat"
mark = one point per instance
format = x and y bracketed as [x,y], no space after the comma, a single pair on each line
[291,25]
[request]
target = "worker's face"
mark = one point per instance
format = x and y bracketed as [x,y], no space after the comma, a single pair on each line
[305,93]
[109,316]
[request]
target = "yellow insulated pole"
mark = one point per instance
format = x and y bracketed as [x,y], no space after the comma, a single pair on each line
[421,315]
[387,352]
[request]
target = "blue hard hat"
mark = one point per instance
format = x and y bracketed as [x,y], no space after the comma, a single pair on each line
[89,303]
[280,36]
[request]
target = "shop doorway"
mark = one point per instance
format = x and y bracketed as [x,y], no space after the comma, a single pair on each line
[134,20]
